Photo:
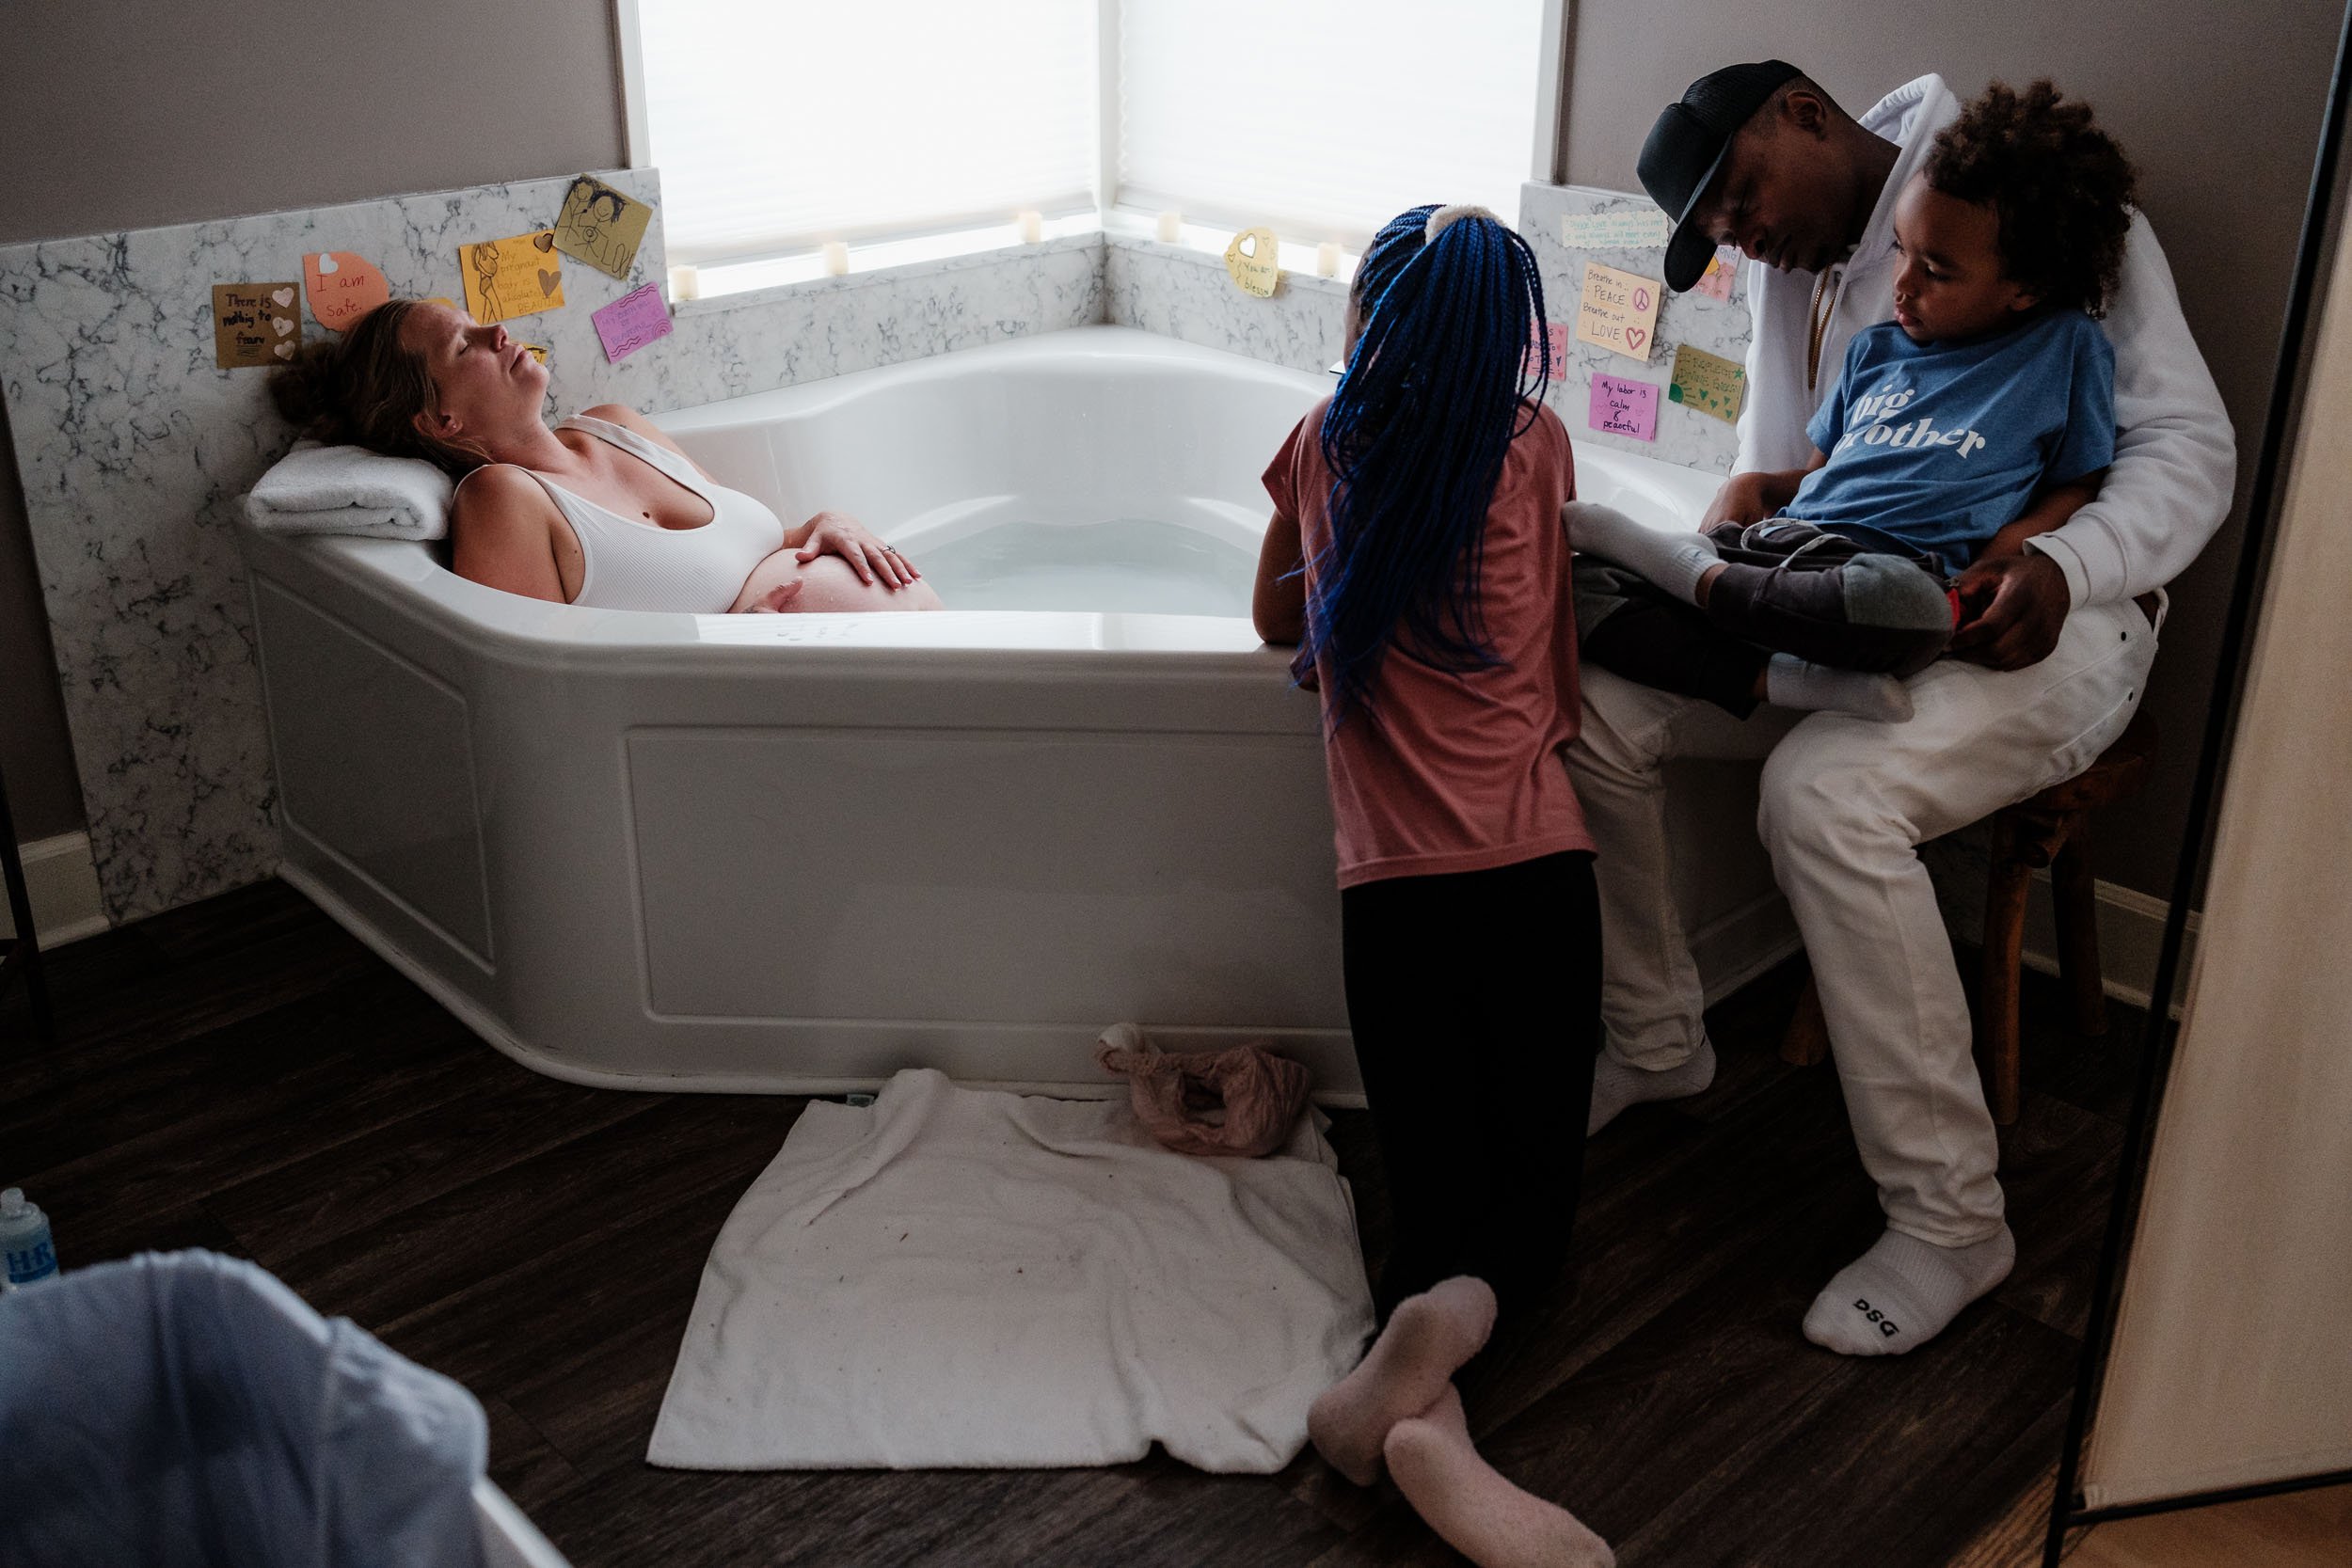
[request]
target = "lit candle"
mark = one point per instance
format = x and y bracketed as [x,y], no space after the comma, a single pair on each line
[836,258]
[1328,258]
[1171,227]
[1032,226]
[685,284]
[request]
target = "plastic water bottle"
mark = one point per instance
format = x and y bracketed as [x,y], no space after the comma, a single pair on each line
[25,1240]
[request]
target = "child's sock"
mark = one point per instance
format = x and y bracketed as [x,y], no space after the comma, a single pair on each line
[1429,1335]
[1905,1291]
[1618,1086]
[1672,561]
[1790,682]
[1479,1513]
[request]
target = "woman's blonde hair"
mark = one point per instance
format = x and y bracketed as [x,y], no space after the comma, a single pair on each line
[367,389]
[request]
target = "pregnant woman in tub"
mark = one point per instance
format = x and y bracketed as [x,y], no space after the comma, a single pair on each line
[600,510]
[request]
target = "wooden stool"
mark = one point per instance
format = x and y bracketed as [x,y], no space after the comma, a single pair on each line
[2052,830]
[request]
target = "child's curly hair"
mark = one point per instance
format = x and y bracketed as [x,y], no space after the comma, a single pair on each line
[2060,186]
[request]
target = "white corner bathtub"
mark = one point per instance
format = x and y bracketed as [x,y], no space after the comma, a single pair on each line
[798,852]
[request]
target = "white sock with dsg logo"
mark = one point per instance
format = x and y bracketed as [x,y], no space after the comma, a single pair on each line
[1903,1292]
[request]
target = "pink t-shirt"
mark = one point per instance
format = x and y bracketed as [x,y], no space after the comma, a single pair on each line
[1450,771]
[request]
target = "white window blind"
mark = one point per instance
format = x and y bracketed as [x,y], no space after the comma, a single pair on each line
[780,123]
[1325,117]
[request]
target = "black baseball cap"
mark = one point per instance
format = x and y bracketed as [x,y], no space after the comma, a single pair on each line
[1687,145]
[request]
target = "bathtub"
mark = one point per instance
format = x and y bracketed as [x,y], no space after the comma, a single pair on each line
[795,853]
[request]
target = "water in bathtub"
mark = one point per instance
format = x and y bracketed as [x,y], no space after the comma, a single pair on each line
[1130,564]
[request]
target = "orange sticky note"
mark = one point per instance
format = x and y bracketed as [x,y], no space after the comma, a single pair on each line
[519,275]
[343,288]
[1619,311]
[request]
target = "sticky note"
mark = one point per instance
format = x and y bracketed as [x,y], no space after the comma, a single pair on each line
[1619,311]
[1623,407]
[255,324]
[1556,334]
[1642,228]
[1709,382]
[519,275]
[1250,259]
[343,288]
[601,226]
[537,351]
[1723,271]
[632,321]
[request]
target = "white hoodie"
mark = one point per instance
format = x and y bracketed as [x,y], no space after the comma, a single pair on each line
[2176,457]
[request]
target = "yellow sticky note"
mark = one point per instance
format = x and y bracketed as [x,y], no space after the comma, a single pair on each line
[1709,382]
[520,275]
[1252,260]
[1619,311]
[601,226]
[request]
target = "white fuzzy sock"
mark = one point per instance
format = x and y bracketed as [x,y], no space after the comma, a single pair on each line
[1615,1086]
[1905,1292]
[1790,682]
[1673,561]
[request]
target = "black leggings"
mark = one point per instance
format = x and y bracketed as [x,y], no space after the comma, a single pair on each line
[1475,1001]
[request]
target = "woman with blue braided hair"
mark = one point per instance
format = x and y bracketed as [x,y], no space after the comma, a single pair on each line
[1417,557]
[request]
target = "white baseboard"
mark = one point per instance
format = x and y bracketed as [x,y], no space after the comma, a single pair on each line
[61,880]
[2131,935]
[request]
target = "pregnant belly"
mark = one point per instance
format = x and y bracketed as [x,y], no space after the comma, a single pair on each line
[827,585]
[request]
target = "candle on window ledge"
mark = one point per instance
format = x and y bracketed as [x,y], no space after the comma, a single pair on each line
[685,284]
[1328,258]
[836,258]
[1171,227]
[1032,226]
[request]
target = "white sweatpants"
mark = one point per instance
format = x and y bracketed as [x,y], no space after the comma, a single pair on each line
[1846,802]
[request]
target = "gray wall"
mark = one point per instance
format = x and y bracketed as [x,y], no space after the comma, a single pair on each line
[129,114]
[2218,100]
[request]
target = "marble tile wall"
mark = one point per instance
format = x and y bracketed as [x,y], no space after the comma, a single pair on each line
[134,449]
[1685,435]
[1182,293]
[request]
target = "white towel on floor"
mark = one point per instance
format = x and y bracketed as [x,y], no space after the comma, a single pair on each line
[316,490]
[961,1278]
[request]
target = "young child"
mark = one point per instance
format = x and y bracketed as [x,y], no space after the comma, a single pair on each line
[1981,415]
[1415,551]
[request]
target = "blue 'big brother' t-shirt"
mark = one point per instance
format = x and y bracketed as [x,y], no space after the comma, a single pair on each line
[1937,447]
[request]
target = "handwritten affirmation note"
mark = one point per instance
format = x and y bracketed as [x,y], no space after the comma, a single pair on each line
[1626,228]
[343,288]
[1624,408]
[1556,333]
[1720,273]
[1709,382]
[1619,311]
[1251,260]
[255,324]
[632,321]
[520,275]
[601,226]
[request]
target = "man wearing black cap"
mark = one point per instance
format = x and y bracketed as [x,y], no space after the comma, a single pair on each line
[2052,658]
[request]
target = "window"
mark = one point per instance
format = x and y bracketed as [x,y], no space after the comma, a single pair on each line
[778,124]
[1327,118]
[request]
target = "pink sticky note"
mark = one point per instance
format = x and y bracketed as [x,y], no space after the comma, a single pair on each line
[1558,334]
[632,321]
[1717,279]
[1624,408]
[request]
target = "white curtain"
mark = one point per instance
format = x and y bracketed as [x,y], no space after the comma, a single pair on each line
[2232,1358]
[1325,117]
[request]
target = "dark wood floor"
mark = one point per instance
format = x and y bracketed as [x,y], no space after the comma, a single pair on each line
[244,1076]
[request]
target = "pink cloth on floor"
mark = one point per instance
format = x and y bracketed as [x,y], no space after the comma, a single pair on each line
[1237,1101]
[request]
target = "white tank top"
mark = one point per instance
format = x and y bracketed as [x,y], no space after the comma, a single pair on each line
[627,564]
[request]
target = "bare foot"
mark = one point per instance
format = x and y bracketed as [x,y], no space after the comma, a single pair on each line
[1412,1362]
[1468,1501]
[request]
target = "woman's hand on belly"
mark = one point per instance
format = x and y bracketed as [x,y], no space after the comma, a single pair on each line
[839,533]
[784,583]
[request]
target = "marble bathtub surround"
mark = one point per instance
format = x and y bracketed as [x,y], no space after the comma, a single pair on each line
[1685,435]
[134,449]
